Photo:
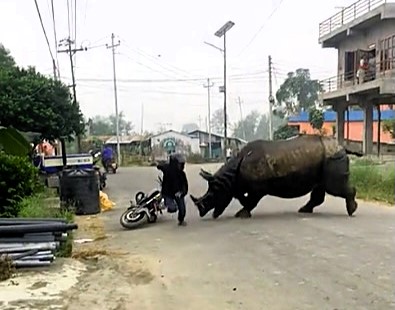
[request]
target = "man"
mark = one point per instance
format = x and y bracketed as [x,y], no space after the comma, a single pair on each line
[107,155]
[363,66]
[228,153]
[175,186]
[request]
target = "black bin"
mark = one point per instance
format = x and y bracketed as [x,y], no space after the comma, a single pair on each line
[79,188]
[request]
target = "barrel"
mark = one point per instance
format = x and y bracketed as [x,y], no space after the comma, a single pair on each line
[79,188]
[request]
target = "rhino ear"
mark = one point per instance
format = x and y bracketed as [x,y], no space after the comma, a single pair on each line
[206,175]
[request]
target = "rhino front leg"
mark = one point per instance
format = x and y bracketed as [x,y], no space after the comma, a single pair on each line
[249,202]
[317,197]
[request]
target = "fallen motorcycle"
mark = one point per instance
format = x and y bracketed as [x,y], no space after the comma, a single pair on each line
[147,207]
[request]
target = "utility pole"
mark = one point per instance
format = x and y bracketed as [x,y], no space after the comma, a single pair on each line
[271,99]
[241,119]
[71,52]
[208,86]
[113,46]
[141,129]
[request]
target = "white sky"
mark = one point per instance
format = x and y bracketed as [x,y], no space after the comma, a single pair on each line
[174,29]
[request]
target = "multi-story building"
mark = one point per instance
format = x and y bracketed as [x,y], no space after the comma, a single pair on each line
[364,35]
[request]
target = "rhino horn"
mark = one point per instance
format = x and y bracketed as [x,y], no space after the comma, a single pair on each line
[206,175]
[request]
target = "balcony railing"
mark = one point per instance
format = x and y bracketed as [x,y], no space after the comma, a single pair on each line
[348,14]
[341,81]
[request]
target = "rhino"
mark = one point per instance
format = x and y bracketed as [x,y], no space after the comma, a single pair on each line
[287,169]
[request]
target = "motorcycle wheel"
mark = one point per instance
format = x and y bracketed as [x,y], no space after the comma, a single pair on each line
[130,222]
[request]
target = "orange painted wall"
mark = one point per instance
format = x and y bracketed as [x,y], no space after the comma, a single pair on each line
[356,130]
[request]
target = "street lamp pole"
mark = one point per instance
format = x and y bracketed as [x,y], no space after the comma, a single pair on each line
[222,33]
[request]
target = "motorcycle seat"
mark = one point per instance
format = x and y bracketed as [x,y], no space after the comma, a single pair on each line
[150,195]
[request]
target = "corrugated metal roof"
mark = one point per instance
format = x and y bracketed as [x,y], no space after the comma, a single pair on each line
[124,139]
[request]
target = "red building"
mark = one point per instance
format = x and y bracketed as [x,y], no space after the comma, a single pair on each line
[353,125]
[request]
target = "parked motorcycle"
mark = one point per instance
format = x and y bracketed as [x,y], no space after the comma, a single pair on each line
[102,175]
[111,164]
[147,207]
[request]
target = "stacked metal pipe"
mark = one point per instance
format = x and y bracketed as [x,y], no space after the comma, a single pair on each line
[32,242]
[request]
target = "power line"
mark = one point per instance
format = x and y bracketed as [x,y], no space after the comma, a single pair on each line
[75,22]
[55,36]
[43,28]
[260,29]
[68,17]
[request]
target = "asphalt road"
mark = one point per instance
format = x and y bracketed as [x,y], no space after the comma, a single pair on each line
[278,259]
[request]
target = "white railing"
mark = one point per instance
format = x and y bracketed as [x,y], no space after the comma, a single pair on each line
[348,14]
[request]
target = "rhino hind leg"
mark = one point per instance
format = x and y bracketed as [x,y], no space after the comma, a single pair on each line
[336,176]
[348,193]
[317,197]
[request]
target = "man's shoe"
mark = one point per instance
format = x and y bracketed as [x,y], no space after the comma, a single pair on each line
[183,223]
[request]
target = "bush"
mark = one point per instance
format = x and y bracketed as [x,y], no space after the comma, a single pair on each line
[373,182]
[18,179]
[195,158]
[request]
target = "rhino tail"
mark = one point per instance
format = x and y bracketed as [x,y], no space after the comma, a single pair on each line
[353,152]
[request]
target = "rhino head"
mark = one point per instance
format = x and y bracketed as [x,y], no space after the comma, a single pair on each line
[221,186]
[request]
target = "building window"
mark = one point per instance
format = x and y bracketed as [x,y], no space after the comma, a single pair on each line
[349,66]
[387,53]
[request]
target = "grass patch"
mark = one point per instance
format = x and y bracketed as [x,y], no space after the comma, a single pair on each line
[39,206]
[373,181]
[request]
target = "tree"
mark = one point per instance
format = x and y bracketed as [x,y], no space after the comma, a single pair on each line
[106,126]
[124,126]
[285,132]
[6,60]
[31,102]
[389,127]
[316,118]
[189,127]
[298,92]
[217,122]
[255,126]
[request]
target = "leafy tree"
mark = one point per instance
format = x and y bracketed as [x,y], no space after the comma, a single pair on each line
[189,127]
[106,126]
[256,126]
[6,60]
[285,132]
[298,92]
[316,118]
[217,122]
[31,102]
[389,126]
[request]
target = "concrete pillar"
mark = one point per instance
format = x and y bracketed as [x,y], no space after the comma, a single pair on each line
[367,145]
[340,125]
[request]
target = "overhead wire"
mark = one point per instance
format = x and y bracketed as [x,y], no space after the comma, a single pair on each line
[155,59]
[261,28]
[55,37]
[68,18]
[75,22]
[43,28]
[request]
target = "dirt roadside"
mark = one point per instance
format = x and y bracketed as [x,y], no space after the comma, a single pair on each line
[97,277]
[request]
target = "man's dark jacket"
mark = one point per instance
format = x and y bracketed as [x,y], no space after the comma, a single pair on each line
[174,180]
